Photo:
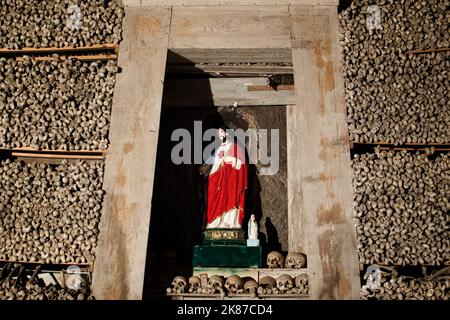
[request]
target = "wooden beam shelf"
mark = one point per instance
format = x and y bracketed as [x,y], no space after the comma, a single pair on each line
[271,88]
[28,152]
[229,69]
[78,57]
[284,296]
[408,146]
[51,50]
[108,51]
[89,265]
[217,296]
[417,51]
[253,91]
[363,266]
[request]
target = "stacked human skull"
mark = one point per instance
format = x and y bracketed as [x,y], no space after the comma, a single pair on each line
[178,285]
[267,285]
[295,260]
[250,287]
[215,285]
[195,285]
[285,283]
[275,259]
[234,283]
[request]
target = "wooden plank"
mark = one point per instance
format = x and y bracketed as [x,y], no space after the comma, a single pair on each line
[296,230]
[96,47]
[222,92]
[259,298]
[68,152]
[225,272]
[230,27]
[407,145]
[55,161]
[223,69]
[255,273]
[393,266]
[229,55]
[244,296]
[55,156]
[319,158]
[197,295]
[284,296]
[30,154]
[275,273]
[129,169]
[79,57]
[131,3]
[413,149]
[185,3]
[88,265]
[428,50]
[270,88]
[358,147]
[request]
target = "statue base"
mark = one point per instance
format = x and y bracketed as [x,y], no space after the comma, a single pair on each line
[223,236]
[226,248]
[228,255]
[252,242]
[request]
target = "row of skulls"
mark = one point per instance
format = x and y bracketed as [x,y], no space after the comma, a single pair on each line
[236,285]
[293,260]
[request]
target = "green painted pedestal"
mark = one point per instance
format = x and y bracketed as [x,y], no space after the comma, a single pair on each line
[230,255]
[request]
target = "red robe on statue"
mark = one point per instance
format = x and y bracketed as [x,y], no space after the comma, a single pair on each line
[227,184]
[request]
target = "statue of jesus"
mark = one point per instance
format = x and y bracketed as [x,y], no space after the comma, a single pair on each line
[227,183]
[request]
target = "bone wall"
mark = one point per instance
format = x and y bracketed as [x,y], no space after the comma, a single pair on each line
[49,214]
[56,105]
[401,199]
[59,23]
[391,95]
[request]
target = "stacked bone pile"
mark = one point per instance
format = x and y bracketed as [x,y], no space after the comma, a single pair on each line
[50,292]
[393,96]
[15,286]
[401,204]
[235,285]
[392,286]
[59,23]
[49,213]
[61,104]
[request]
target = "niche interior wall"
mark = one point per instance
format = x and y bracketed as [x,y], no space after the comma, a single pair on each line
[178,193]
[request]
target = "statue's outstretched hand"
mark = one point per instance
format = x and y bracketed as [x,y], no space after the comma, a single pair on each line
[231,160]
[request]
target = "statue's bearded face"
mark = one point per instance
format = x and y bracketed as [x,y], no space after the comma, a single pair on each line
[222,134]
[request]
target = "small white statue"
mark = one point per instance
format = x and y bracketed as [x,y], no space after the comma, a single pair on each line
[252,240]
[252,228]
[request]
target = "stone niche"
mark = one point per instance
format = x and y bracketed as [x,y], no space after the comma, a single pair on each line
[177,202]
